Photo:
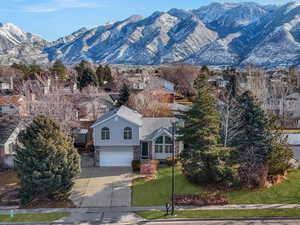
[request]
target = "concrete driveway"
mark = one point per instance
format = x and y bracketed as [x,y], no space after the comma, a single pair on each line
[103,187]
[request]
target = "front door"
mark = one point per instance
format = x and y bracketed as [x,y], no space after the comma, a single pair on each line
[145,150]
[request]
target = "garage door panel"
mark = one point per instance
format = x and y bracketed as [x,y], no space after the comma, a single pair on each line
[112,158]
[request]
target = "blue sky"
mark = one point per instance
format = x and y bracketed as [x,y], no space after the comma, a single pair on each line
[52,19]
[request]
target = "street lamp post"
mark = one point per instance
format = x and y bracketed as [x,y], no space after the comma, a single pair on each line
[173,169]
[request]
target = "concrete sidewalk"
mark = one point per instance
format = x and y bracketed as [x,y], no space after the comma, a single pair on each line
[127,215]
[145,208]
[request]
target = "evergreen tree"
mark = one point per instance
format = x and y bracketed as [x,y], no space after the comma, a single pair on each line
[281,154]
[107,74]
[46,161]
[124,96]
[86,78]
[204,160]
[100,75]
[252,143]
[60,70]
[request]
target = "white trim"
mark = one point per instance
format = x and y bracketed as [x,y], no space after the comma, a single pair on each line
[111,117]
[160,132]
[98,123]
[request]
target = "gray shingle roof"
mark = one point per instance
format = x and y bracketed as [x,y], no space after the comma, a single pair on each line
[151,126]
[7,127]
[123,112]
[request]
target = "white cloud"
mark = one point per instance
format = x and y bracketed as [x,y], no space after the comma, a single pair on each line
[55,5]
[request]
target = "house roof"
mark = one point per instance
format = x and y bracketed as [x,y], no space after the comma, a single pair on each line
[152,126]
[123,112]
[11,99]
[7,127]
[295,95]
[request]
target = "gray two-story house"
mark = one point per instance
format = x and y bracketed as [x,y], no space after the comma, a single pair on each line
[123,135]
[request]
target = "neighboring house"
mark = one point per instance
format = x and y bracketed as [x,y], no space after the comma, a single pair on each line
[91,108]
[6,83]
[9,131]
[218,81]
[160,83]
[123,135]
[138,81]
[13,105]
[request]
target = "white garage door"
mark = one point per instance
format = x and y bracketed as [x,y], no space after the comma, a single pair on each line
[116,157]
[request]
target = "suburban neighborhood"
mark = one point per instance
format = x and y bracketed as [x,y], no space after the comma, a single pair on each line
[126,136]
[179,112]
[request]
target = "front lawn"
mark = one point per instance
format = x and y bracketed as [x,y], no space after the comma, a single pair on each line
[157,192]
[33,217]
[228,213]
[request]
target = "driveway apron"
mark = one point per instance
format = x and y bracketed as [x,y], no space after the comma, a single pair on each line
[103,187]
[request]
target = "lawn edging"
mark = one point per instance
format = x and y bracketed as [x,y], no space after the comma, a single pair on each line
[227,214]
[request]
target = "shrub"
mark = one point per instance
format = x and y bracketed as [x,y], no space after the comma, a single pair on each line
[169,161]
[148,168]
[136,165]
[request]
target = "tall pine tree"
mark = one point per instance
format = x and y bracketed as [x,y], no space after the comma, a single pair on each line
[107,74]
[124,96]
[87,77]
[204,160]
[100,75]
[252,142]
[46,162]
[60,70]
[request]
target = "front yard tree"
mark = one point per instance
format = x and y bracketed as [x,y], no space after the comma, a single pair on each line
[46,162]
[252,143]
[204,160]
[124,95]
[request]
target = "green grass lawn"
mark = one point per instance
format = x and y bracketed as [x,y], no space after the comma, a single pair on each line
[157,192]
[33,217]
[228,213]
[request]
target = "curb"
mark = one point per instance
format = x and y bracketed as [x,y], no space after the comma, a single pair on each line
[220,219]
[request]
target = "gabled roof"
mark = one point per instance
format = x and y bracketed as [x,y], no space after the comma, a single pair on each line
[7,127]
[123,112]
[152,126]
[11,100]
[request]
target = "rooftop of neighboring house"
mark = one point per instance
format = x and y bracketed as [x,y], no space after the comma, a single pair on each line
[161,83]
[103,98]
[7,127]
[293,96]
[11,100]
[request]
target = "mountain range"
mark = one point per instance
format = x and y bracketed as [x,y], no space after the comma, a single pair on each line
[229,34]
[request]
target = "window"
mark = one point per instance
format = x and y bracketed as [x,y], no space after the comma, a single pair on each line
[163,144]
[127,133]
[168,145]
[105,134]
[159,144]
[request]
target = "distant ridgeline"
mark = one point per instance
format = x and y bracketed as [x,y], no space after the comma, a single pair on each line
[230,34]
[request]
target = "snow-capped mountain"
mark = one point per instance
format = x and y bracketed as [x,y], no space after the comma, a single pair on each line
[229,34]
[19,46]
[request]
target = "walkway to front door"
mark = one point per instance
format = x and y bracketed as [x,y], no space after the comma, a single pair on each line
[103,187]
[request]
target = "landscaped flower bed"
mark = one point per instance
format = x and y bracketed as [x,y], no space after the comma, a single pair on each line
[201,200]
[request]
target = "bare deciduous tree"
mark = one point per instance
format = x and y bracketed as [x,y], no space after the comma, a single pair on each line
[148,105]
